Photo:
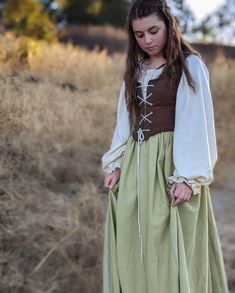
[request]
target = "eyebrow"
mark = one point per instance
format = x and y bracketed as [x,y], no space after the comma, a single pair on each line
[155,26]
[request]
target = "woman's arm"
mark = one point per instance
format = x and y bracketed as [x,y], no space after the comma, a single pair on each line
[194,145]
[114,157]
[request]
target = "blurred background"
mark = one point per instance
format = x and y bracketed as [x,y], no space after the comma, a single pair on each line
[61,67]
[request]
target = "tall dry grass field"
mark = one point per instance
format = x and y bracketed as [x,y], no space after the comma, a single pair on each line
[57,118]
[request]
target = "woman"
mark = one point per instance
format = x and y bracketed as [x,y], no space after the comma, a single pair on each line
[160,232]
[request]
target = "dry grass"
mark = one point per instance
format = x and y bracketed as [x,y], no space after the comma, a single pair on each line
[57,118]
[51,126]
[223,92]
[91,36]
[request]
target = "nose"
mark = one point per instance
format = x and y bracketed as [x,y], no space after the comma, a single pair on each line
[147,39]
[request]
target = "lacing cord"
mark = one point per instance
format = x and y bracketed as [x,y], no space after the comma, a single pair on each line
[145,101]
[144,118]
[140,133]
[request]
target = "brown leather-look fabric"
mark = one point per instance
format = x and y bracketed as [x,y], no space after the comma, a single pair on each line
[161,103]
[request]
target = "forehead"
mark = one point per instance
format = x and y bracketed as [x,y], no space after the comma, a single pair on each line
[145,23]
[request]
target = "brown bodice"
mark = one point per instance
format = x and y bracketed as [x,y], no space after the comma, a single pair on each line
[157,111]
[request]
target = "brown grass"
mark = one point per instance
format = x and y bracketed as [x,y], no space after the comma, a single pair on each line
[223,92]
[57,119]
[91,36]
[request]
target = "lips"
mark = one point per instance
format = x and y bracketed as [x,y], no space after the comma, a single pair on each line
[150,48]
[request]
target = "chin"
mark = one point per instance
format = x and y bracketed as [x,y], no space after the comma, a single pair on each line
[152,54]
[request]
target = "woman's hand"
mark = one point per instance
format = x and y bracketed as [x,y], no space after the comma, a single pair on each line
[112,179]
[181,191]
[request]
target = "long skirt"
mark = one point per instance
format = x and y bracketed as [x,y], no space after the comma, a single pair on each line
[181,247]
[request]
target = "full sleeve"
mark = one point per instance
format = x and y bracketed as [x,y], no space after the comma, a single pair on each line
[114,156]
[194,138]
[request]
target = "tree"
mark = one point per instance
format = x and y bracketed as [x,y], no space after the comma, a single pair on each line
[204,29]
[54,9]
[183,15]
[27,17]
[114,12]
[97,11]
[82,11]
[219,26]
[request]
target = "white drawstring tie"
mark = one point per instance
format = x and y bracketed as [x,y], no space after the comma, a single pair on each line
[140,133]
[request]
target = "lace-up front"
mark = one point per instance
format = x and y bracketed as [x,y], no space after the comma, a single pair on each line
[157,114]
[140,133]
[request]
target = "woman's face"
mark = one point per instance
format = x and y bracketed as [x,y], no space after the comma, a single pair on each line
[151,34]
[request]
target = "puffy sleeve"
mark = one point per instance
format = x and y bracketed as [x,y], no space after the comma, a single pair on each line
[114,156]
[194,138]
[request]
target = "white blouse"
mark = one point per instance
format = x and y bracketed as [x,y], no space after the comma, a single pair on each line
[194,138]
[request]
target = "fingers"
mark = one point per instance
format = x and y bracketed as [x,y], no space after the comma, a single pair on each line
[110,181]
[107,181]
[180,198]
[181,192]
[172,190]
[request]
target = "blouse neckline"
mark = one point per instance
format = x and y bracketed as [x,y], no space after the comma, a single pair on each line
[155,68]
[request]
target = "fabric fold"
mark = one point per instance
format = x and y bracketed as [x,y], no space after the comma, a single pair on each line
[182,252]
[113,158]
[194,147]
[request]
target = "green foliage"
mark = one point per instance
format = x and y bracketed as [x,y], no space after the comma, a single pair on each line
[62,3]
[97,11]
[95,7]
[78,11]
[27,18]
[114,12]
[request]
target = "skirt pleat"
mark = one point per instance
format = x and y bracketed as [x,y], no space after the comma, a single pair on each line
[181,246]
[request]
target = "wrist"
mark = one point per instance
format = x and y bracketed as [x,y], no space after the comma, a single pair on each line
[184,184]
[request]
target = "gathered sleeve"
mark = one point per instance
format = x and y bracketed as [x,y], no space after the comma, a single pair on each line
[114,156]
[194,138]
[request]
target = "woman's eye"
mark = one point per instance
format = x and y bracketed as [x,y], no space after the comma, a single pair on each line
[139,36]
[154,32]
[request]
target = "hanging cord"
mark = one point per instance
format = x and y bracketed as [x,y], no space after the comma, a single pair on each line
[140,133]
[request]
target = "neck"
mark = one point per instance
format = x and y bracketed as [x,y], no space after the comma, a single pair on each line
[157,60]
[154,62]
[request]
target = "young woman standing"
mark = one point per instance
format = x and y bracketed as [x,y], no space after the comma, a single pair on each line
[160,232]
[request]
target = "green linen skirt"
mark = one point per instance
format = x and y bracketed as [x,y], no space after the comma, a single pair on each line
[181,246]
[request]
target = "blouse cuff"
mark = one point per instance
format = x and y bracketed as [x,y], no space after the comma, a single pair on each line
[117,163]
[196,187]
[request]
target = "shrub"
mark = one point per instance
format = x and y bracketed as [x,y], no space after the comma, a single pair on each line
[26,17]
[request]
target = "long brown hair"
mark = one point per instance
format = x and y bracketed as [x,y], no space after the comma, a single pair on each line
[175,51]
